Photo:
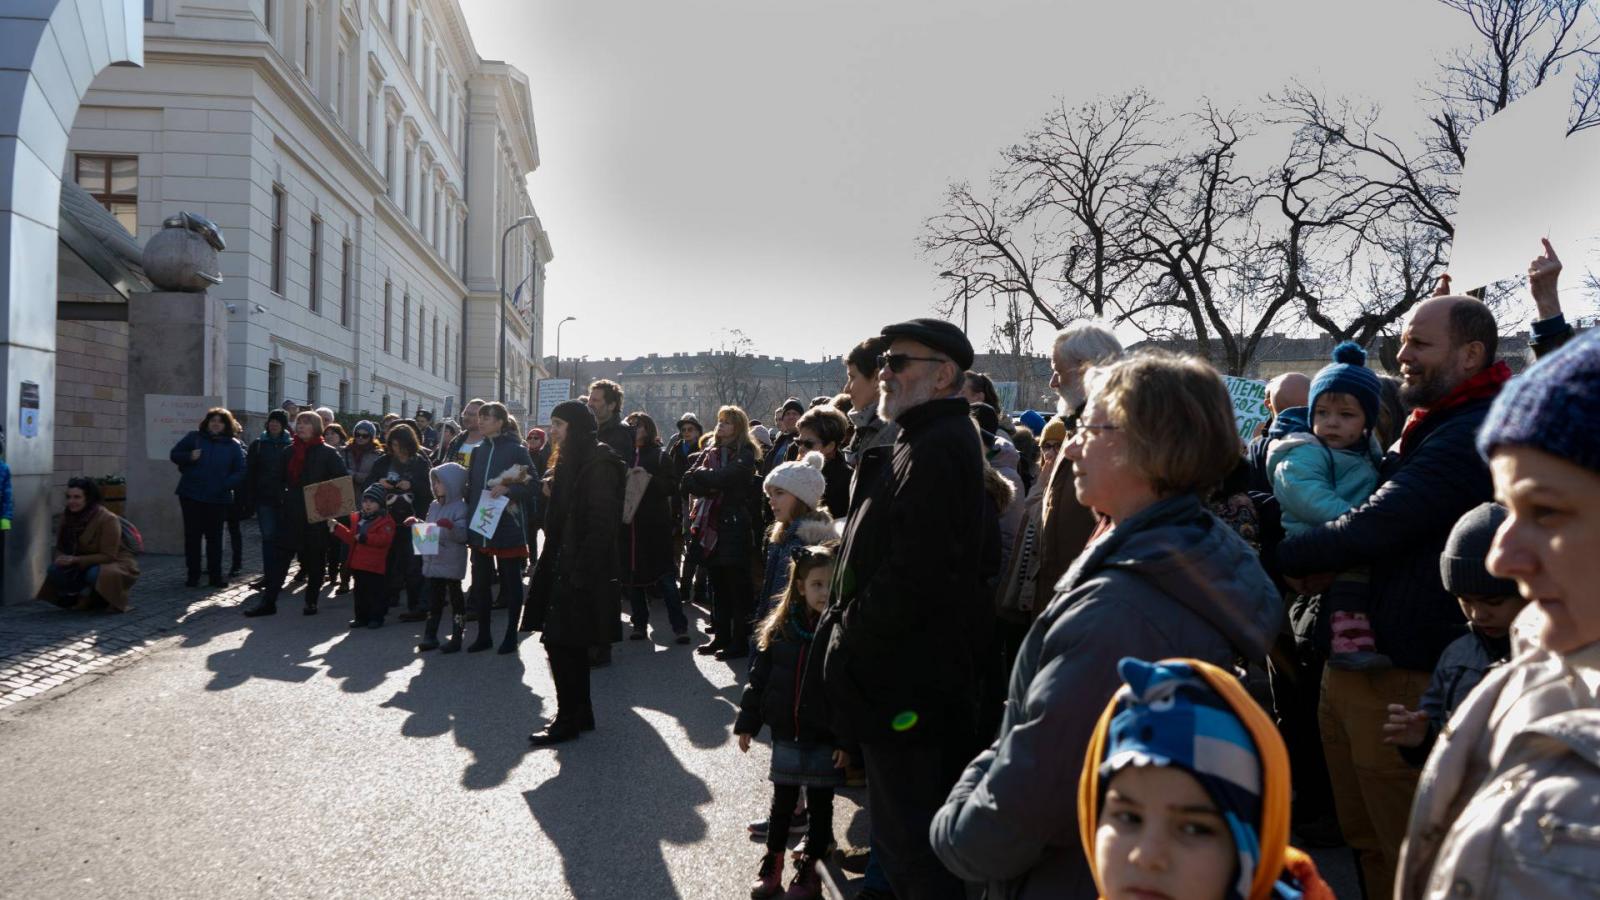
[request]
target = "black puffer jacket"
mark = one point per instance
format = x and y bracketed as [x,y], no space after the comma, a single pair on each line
[733,481]
[491,458]
[907,599]
[322,463]
[780,696]
[1401,531]
[264,470]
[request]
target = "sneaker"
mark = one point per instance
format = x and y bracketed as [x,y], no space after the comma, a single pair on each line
[769,878]
[807,883]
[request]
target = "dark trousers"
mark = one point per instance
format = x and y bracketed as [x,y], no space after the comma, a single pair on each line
[819,800]
[1294,674]
[313,552]
[371,603]
[667,587]
[203,520]
[267,522]
[730,607]
[405,570]
[442,591]
[486,570]
[235,539]
[905,787]
[569,669]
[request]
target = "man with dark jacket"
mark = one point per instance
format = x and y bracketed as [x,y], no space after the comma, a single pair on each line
[605,401]
[784,431]
[906,604]
[1449,377]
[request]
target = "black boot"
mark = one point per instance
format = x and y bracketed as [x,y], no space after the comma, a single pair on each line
[485,638]
[263,607]
[458,624]
[508,644]
[430,634]
[558,732]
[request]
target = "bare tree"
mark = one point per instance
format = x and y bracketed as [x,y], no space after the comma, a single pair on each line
[975,240]
[731,375]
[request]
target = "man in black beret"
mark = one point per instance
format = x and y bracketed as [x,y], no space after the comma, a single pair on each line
[907,617]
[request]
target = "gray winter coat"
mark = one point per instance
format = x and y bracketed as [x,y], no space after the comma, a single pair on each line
[451,562]
[1172,580]
[1509,804]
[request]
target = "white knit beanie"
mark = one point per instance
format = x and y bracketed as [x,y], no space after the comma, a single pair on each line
[802,478]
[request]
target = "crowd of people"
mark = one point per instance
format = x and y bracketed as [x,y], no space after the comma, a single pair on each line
[1070,655]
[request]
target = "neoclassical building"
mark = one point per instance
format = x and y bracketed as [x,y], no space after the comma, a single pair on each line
[363,162]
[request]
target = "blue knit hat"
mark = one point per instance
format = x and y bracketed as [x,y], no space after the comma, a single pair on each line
[1552,407]
[1168,715]
[1034,421]
[1348,374]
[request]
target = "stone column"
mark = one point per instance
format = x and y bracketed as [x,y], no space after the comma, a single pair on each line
[177,346]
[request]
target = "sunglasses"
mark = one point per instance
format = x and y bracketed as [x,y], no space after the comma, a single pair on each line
[806,444]
[899,362]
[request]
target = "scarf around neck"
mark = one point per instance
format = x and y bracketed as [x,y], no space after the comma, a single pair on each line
[72,528]
[297,457]
[703,512]
[1482,386]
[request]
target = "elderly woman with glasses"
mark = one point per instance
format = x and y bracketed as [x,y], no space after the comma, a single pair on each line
[1165,578]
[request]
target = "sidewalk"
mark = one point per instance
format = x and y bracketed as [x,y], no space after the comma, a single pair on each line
[43,648]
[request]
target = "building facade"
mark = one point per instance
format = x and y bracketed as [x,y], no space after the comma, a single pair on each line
[332,141]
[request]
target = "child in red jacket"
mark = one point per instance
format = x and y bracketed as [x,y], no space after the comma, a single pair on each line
[369,535]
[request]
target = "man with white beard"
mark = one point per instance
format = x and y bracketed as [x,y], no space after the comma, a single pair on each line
[906,616]
[1066,525]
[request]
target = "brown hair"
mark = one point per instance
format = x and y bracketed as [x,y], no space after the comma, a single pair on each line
[1177,417]
[829,424]
[611,391]
[499,411]
[230,425]
[802,564]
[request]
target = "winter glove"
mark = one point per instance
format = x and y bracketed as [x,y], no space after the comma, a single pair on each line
[413,520]
[446,523]
[5,524]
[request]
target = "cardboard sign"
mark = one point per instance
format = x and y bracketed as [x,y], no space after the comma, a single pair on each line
[486,518]
[1249,404]
[168,418]
[332,499]
[552,393]
[633,493]
[425,539]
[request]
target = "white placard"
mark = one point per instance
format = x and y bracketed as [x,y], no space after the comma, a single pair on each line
[425,539]
[169,417]
[1249,404]
[487,516]
[552,393]
[1525,180]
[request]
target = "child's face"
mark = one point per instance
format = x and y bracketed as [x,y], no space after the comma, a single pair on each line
[1338,420]
[784,505]
[436,486]
[1161,836]
[370,507]
[816,588]
[1491,616]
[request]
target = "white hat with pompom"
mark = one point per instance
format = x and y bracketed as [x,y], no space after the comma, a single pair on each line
[802,478]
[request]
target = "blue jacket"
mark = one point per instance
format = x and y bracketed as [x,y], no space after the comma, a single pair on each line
[1461,667]
[813,529]
[1315,483]
[6,510]
[215,475]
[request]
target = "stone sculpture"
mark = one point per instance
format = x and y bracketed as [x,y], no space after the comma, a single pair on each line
[183,255]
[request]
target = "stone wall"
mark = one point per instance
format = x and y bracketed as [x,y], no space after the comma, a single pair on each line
[92,397]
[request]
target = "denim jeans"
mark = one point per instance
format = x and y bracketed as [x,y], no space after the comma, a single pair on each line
[639,598]
[267,519]
[71,581]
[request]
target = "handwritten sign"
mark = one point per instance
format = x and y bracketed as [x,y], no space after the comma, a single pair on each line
[331,499]
[486,518]
[1249,404]
[169,417]
[552,393]
[425,539]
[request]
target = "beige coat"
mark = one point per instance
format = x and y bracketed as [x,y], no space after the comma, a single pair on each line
[101,545]
[1509,804]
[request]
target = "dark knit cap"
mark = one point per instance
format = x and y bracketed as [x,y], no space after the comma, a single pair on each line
[279,416]
[1552,407]
[1348,374]
[988,421]
[1463,566]
[793,404]
[938,334]
[579,419]
[376,492]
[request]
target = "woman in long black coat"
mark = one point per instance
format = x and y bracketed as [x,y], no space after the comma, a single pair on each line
[647,551]
[310,461]
[723,486]
[574,595]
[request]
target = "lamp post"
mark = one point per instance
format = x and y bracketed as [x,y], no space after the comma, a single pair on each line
[965,296]
[558,341]
[500,394]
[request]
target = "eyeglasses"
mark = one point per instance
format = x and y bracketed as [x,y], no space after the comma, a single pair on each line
[1086,430]
[899,362]
[363,436]
[806,444]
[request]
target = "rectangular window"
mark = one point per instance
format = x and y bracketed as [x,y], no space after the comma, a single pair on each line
[405,327]
[437,197]
[279,201]
[411,37]
[274,385]
[447,351]
[344,397]
[310,42]
[313,390]
[386,404]
[114,181]
[346,278]
[338,87]
[372,127]
[435,357]
[388,154]
[314,267]
[390,18]
[388,314]
[266,15]
[405,203]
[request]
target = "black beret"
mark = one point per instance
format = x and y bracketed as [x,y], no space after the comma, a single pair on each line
[938,334]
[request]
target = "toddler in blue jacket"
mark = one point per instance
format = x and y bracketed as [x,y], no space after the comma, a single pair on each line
[1319,476]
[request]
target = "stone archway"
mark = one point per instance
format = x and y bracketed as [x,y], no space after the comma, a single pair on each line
[54,49]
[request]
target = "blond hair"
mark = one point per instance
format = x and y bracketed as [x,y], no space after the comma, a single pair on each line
[1177,417]
[741,439]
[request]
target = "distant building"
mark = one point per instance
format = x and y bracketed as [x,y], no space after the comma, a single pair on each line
[1279,353]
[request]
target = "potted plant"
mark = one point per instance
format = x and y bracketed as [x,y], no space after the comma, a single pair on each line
[113,492]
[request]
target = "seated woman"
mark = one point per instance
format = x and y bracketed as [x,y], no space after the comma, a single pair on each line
[91,568]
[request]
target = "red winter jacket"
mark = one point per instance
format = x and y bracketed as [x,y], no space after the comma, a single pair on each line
[371,555]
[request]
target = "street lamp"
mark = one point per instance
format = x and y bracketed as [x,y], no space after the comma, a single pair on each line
[501,393]
[965,295]
[558,341]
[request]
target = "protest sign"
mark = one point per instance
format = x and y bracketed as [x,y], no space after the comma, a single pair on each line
[486,518]
[552,393]
[425,539]
[1006,391]
[332,499]
[1249,404]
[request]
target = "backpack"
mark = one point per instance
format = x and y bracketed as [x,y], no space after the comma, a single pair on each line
[132,540]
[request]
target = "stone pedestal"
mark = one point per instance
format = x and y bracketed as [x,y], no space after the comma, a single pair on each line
[177,346]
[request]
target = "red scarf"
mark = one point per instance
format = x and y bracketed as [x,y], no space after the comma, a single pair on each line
[297,457]
[1482,386]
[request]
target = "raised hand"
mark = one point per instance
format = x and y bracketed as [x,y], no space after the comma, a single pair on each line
[1543,273]
[1442,288]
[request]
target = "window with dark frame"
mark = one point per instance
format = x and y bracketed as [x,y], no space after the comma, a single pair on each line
[314,268]
[388,314]
[313,390]
[344,396]
[405,327]
[274,385]
[345,280]
[278,203]
[114,182]
[422,335]
[266,15]
[435,367]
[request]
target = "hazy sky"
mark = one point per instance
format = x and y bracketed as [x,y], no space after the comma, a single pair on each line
[764,165]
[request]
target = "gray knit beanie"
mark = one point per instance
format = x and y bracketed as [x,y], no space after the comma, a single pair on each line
[1552,407]
[1463,566]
